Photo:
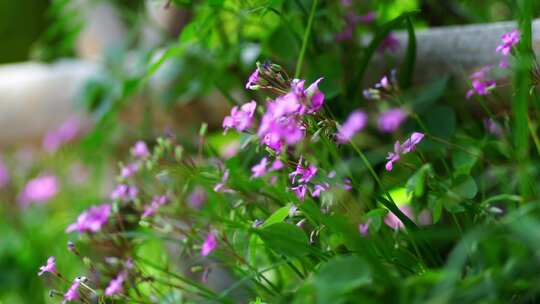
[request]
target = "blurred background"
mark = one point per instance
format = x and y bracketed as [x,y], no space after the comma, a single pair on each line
[81,80]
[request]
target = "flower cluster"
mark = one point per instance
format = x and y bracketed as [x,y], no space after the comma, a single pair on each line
[92,219]
[481,85]
[157,201]
[509,40]
[400,149]
[301,178]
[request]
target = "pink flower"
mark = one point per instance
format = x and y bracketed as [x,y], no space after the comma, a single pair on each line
[4,174]
[124,192]
[140,150]
[410,144]
[252,80]
[197,197]
[240,119]
[508,41]
[277,165]
[364,228]
[260,169]
[129,170]
[91,220]
[157,201]
[347,184]
[39,190]
[300,191]
[67,131]
[368,18]
[115,285]
[72,294]
[318,189]
[355,123]
[393,156]
[390,43]
[392,221]
[276,132]
[220,187]
[209,245]
[493,127]
[390,120]
[399,149]
[305,173]
[315,96]
[49,267]
[480,85]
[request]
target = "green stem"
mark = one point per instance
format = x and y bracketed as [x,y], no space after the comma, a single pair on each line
[305,40]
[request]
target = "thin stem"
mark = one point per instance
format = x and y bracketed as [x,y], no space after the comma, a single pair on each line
[305,40]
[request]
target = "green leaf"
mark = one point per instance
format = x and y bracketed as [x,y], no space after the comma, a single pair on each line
[339,276]
[376,216]
[286,239]
[407,67]
[465,187]
[426,95]
[441,121]
[435,205]
[463,162]
[416,182]
[277,217]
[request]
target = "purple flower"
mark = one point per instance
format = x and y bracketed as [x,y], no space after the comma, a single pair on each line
[305,173]
[91,220]
[197,197]
[347,184]
[252,80]
[240,119]
[300,191]
[72,294]
[480,85]
[393,156]
[275,132]
[140,150]
[399,149]
[355,123]
[115,285]
[508,41]
[277,165]
[157,201]
[315,96]
[368,18]
[67,131]
[410,144]
[4,174]
[129,170]
[318,189]
[260,169]
[390,120]
[364,228]
[39,190]
[124,192]
[384,83]
[392,221]
[220,187]
[49,267]
[390,43]
[493,127]
[209,245]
